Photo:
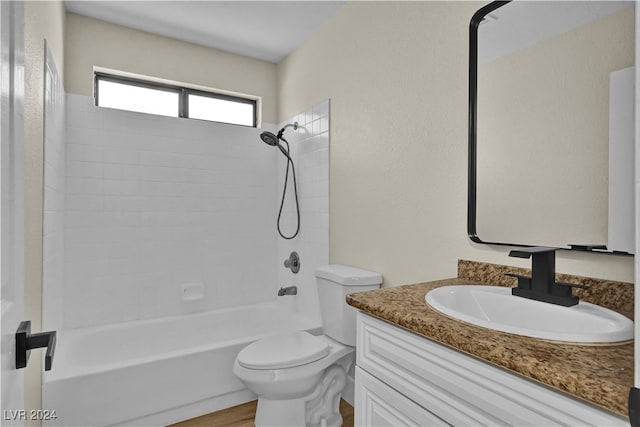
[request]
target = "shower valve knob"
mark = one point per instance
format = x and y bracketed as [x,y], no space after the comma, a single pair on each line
[293,262]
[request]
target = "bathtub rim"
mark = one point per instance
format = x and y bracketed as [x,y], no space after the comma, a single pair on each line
[70,370]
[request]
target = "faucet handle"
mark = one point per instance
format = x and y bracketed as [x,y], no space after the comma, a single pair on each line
[573,285]
[524,282]
[293,262]
[564,290]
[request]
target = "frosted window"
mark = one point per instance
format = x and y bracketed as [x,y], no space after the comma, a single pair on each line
[221,110]
[137,98]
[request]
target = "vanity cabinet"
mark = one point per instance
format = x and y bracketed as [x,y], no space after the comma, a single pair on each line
[404,379]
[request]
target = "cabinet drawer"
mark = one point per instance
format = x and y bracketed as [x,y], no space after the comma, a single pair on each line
[378,405]
[461,389]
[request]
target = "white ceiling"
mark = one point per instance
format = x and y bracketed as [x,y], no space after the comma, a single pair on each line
[266,30]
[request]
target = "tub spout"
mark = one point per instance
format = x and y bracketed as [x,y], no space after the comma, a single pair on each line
[289,290]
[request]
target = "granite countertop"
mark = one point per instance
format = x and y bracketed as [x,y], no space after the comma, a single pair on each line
[598,374]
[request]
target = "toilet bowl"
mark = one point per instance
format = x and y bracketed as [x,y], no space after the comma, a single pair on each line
[298,380]
[299,377]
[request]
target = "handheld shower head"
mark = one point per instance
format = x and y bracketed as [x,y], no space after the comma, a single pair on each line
[270,139]
[274,141]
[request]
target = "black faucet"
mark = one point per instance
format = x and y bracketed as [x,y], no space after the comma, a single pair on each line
[542,285]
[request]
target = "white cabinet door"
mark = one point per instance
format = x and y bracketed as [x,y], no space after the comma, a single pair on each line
[462,390]
[378,405]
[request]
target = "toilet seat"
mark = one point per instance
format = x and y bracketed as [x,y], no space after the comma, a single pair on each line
[283,351]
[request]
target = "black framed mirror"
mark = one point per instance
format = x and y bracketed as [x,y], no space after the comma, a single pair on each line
[551,125]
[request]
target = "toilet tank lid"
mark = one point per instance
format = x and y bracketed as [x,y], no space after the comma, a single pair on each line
[348,276]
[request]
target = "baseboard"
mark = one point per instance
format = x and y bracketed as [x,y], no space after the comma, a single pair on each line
[218,403]
[192,410]
[349,390]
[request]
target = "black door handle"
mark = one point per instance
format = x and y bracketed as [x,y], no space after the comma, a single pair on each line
[26,341]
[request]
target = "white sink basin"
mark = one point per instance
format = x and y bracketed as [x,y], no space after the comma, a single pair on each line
[495,308]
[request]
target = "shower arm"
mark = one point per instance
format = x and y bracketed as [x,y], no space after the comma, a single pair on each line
[294,125]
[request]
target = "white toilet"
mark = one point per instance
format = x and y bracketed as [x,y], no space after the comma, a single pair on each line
[299,377]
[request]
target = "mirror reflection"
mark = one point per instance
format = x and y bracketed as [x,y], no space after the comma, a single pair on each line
[548,104]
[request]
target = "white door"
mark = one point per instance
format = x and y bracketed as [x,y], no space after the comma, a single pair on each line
[11,206]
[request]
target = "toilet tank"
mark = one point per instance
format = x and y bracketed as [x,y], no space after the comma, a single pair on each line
[335,282]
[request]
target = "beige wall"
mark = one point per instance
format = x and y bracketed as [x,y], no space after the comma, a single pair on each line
[396,73]
[90,42]
[43,19]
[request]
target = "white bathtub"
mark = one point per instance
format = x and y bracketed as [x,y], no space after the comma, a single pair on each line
[160,371]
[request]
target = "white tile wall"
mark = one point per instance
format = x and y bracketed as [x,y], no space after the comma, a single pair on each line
[155,202]
[151,203]
[54,198]
[310,152]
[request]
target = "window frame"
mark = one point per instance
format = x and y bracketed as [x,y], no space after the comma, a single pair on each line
[182,91]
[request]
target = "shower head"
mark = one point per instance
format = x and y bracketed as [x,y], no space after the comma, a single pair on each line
[270,139]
